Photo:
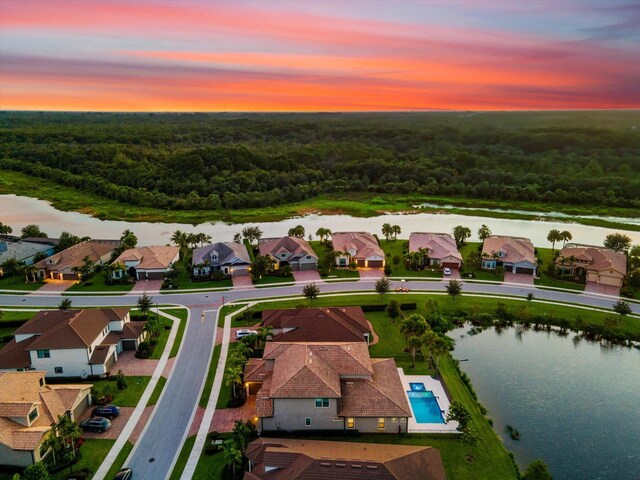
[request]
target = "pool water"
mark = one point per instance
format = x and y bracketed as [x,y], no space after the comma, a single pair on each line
[417,387]
[425,407]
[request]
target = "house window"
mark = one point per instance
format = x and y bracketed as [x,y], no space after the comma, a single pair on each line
[308,257]
[343,262]
[381,424]
[351,422]
[44,354]
[33,415]
[322,402]
[307,421]
[58,370]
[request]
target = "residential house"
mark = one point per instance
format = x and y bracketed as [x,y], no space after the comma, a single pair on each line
[514,254]
[72,343]
[440,249]
[146,263]
[359,247]
[327,324]
[292,251]
[63,265]
[294,459]
[594,264]
[28,409]
[327,386]
[25,250]
[229,258]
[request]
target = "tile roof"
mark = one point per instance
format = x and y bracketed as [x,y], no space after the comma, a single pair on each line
[379,396]
[66,329]
[153,257]
[229,253]
[364,244]
[20,392]
[296,247]
[15,355]
[294,459]
[21,250]
[264,404]
[100,355]
[254,370]
[439,245]
[130,331]
[332,324]
[516,249]
[65,260]
[598,258]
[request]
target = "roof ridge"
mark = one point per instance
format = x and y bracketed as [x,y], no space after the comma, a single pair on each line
[380,360]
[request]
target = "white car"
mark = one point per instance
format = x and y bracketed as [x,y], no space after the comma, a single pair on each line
[245,333]
[446,271]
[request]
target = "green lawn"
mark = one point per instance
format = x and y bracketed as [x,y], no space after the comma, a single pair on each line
[546,256]
[225,391]
[552,282]
[184,282]
[206,392]
[157,391]
[182,458]
[119,462]
[393,248]
[480,274]
[182,314]
[322,251]
[161,340]
[93,452]
[128,397]
[210,467]
[98,283]
[17,282]
[268,280]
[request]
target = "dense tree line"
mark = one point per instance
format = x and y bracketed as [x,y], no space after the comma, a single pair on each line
[199,161]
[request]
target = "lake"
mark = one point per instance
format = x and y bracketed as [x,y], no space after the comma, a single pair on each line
[18,211]
[576,405]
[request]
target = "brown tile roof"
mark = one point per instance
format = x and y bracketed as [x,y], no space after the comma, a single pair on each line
[380,396]
[264,404]
[65,329]
[20,392]
[100,355]
[364,244]
[16,355]
[65,260]
[296,247]
[327,460]
[597,258]
[130,331]
[439,245]
[154,257]
[328,324]
[516,249]
[254,370]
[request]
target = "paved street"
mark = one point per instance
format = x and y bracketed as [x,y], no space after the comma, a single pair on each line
[157,449]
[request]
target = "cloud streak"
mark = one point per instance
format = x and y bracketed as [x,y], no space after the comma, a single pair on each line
[200,56]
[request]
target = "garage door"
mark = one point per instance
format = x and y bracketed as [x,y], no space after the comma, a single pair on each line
[109,363]
[376,263]
[128,345]
[80,408]
[240,271]
[451,265]
[528,271]
[155,275]
[360,263]
[308,266]
[69,276]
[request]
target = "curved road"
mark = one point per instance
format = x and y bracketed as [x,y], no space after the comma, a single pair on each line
[157,449]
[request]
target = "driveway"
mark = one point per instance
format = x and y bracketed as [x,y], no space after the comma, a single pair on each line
[371,273]
[593,287]
[520,278]
[242,281]
[307,276]
[117,424]
[455,275]
[55,286]
[147,286]
[223,419]
[130,365]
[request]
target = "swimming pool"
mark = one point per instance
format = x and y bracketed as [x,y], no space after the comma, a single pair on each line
[417,387]
[425,407]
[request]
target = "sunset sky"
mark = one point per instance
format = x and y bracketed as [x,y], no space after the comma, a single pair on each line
[319,55]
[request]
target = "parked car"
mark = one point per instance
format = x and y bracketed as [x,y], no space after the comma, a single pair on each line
[95,424]
[124,474]
[245,333]
[446,271]
[106,411]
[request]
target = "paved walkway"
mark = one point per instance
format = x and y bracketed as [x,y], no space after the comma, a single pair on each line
[521,278]
[55,286]
[223,419]
[307,276]
[593,287]
[242,281]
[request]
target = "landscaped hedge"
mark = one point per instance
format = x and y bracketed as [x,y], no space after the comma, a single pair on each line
[381,308]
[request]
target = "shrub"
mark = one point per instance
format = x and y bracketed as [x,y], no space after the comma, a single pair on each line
[387,269]
[218,276]
[144,350]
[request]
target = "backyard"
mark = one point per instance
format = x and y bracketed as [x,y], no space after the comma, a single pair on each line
[396,249]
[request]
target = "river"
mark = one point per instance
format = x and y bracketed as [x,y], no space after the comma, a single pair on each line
[576,405]
[18,211]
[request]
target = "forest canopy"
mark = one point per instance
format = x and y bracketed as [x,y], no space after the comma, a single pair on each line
[214,161]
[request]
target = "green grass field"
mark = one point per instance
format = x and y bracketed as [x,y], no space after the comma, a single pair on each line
[395,248]
[18,282]
[225,391]
[182,314]
[211,374]
[128,397]
[268,280]
[93,452]
[182,458]
[157,391]
[161,340]
[119,462]
[98,283]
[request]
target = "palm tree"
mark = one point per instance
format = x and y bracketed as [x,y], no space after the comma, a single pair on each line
[413,325]
[53,442]
[566,236]
[454,289]
[180,239]
[323,233]
[414,343]
[437,345]
[553,237]
[232,377]
[396,230]
[387,230]
[29,272]
[128,239]
[232,456]
[69,431]
[264,334]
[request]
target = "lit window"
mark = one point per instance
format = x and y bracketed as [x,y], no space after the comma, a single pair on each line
[322,402]
[381,424]
[307,421]
[351,423]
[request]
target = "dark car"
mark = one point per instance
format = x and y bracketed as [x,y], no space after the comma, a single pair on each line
[124,474]
[106,411]
[95,424]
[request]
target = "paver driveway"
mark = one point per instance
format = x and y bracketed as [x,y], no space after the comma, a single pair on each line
[55,286]
[242,281]
[307,276]
[593,287]
[520,278]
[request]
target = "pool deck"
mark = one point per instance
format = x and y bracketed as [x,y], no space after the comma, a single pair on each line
[436,387]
